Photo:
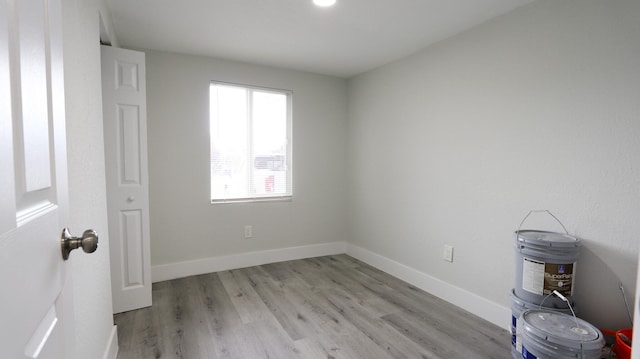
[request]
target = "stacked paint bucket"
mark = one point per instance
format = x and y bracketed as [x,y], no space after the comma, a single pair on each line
[542,323]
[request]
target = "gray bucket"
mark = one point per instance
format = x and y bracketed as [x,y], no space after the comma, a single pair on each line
[519,306]
[545,261]
[552,335]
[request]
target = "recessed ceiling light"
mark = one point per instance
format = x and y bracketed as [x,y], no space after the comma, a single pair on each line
[324,3]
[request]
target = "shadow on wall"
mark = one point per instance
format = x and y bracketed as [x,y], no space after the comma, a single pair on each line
[597,291]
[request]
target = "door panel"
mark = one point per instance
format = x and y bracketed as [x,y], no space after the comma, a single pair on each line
[125,131]
[132,244]
[33,72]
[33,193]
[129,145]
[7,189]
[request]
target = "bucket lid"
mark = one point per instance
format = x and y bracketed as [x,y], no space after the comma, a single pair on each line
[522,304]
[561,329]
[547,239]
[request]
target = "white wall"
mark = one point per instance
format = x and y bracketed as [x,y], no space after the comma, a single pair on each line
[184,225]
[87,192]
[536,109]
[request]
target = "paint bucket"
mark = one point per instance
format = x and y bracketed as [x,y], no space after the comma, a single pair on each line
[519,306]
[553,335]
[515,354]
[545,261]
[622,347]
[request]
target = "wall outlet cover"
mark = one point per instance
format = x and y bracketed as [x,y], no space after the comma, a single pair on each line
[447,253]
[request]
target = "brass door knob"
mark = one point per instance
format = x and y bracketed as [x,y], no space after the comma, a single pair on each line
[88,242]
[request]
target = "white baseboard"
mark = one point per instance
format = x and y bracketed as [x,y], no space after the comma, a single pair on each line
[111,351]
[216,264]
[482,307]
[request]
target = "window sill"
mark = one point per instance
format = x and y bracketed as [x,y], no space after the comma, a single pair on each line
[252,200]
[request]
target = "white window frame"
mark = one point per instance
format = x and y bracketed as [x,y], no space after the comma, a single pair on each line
[287,196]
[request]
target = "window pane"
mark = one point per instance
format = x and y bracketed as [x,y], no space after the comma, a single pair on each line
[269,143]
[229,147]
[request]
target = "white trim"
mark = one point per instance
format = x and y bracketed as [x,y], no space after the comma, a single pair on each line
[482,307]
[164,272]
[111,351]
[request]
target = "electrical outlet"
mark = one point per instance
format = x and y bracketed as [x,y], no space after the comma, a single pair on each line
[248,231]
[447,254]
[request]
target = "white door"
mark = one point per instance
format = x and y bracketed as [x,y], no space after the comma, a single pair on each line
[125,133]
[35,301]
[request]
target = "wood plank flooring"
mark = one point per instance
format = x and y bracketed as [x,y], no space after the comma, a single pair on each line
[327,307]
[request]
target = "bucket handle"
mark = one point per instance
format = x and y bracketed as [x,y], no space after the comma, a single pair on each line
[540,211]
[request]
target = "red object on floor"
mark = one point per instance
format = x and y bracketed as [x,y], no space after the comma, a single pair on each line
[622,349]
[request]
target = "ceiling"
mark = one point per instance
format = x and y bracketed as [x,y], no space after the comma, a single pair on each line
[347,39]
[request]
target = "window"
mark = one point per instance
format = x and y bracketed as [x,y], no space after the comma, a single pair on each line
[250,143]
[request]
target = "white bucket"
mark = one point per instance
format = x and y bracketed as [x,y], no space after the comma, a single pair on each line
[545,261]
[553,335]
[519,306]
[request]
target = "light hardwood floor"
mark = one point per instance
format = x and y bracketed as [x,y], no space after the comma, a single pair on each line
[325,307]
